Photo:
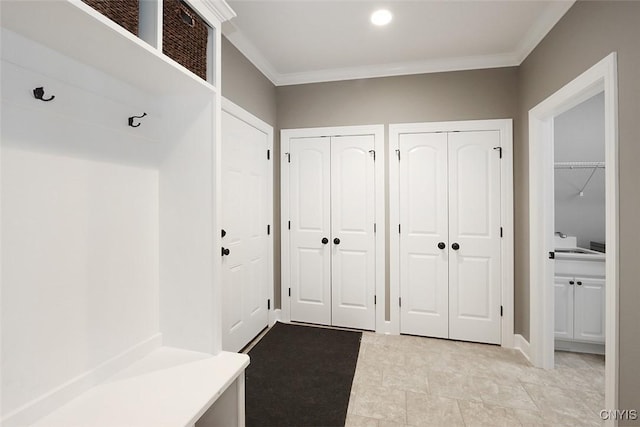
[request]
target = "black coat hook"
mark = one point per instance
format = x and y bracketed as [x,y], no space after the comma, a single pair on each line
[135,117]
[38,93]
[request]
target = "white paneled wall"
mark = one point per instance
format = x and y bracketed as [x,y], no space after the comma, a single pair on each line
[107,230]
[80,266]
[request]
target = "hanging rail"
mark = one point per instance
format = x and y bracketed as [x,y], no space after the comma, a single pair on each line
[579,165]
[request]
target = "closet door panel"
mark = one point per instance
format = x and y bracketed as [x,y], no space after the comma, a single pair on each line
[474,225]
[310,212]
[352,237]
[424,224]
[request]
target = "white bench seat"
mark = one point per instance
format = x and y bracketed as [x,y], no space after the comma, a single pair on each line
[169,387]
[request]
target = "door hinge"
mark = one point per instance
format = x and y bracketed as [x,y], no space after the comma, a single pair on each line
[289,291]
[374,227]
[400,301]
[374,300]
[399,229]
[268,154]
[373,153]
[288,157]
[289,225]
[268,304]
[398,154]
[552,255]
[500,231]
[268,229]
[499,150]
[501,311]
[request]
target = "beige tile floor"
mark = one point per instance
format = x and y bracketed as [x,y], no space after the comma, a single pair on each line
[412,381]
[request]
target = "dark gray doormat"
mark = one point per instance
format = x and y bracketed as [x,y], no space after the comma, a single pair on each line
[301,376]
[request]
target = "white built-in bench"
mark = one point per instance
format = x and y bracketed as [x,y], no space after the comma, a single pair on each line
[169,387]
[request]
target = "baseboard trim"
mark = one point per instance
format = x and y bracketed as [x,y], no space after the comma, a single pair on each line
[580,347]
[30,412]
[275,315]
[521,343]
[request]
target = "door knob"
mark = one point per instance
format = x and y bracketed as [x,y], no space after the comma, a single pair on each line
[225,251]
[455,246]
[579,283]
[336,241]
[441,245]
[325,240]
[571,282]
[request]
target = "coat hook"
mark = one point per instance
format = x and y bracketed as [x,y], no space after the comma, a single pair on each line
[135,117]
[38,93]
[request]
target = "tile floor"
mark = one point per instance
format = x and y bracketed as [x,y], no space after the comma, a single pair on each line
[412,381]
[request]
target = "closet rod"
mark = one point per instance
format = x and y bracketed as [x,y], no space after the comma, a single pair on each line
[579,165]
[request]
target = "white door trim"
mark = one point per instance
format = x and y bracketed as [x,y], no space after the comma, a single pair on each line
[378,132]
[602,77]
[505,126]
[242,114]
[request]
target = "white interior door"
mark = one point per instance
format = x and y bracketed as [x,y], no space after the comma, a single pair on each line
[474,236]
[245,270]
[310,230]
[352,231]
[424,272]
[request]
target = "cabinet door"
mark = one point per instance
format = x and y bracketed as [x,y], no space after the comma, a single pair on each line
[310,210]
[589,308]
[474,237]
[564,289]
[424,276]
[353,268]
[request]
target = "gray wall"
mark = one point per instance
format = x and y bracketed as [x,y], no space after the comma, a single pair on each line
[586,34]
[245,85]
[464,95]
[579,137]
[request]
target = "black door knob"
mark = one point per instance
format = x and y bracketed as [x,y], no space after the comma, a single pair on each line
[455,246]
[336,241]
[579,283]
[325,240]
[225,251]
[441,245]
[571,282]
[223,233]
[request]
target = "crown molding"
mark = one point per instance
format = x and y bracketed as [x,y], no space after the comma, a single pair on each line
[213,11]
[552,14]
[549,18]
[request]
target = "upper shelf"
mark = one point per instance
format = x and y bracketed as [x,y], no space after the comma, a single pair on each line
[78,31]
[579,165]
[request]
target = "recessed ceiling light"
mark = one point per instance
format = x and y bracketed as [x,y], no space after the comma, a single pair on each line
[381,17]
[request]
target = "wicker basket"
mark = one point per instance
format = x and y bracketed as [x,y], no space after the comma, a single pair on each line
[122,12]
[184,37]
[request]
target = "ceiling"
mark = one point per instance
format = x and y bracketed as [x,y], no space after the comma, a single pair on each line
[304,41]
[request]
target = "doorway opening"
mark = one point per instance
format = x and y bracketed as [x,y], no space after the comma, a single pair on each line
[599,79]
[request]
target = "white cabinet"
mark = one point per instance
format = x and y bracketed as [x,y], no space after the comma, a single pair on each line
[580,309]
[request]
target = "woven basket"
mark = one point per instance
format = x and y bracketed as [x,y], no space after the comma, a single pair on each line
[122,12]
[184,37]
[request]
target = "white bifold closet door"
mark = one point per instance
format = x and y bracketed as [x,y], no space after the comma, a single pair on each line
[245,270]
[450,238]
[332,211]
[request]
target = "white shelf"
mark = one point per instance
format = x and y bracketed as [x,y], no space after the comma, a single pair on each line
[169,387]
[78,31]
